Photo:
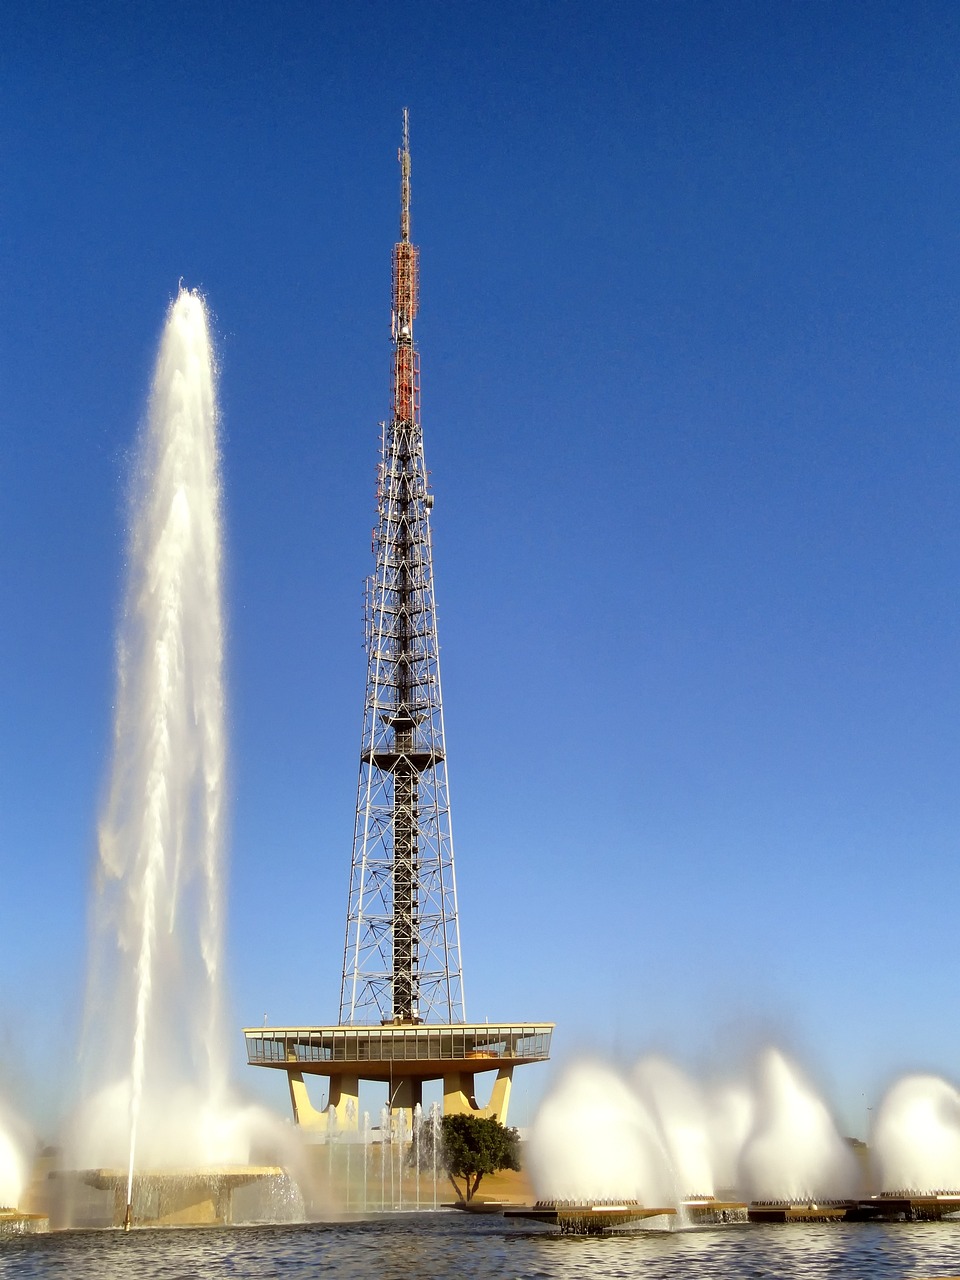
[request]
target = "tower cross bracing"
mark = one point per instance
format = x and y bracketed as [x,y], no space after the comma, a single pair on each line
[401,959]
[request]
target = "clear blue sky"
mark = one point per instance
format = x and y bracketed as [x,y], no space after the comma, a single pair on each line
[691,349]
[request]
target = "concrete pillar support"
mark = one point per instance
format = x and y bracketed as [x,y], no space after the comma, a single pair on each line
[343,1091]
[459,1097]
[407,1094]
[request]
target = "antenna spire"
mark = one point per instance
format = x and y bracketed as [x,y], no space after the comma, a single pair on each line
[406,293]
[404,158]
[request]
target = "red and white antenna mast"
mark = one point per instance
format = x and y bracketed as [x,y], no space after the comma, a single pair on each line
[406,296]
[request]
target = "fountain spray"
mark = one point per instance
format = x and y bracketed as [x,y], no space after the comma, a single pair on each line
[160,838]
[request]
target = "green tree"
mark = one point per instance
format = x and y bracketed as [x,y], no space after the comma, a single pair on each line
[472,1147]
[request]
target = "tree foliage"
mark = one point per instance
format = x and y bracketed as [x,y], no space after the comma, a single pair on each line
[473,1146]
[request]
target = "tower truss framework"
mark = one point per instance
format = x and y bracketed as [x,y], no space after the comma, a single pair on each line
[401,960]
[402,1019]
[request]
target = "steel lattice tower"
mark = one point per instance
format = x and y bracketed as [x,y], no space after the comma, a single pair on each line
[402,1019]
[401,959]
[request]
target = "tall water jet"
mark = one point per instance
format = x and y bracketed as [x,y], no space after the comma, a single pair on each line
[730,1111]
[14,1145]
[593,1138]
[153,1044]
[916,1138]
[677,1105]
[794,1152]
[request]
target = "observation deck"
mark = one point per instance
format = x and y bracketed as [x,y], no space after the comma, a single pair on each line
[409,1049]
[403,1055]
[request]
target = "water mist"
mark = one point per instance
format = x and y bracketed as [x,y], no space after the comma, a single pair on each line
[153,1044]
[15,1143]
[794,1151]
[663,1138]
[916,1137]
[593,1138]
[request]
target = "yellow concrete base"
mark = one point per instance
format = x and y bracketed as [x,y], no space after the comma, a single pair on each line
[14,1223]
[459,1099]
[171,1197]
[343,1091]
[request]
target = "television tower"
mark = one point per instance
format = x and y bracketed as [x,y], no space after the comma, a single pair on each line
[401,958]
[401,991]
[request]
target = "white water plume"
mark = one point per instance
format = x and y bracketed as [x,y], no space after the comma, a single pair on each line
[660,1137]
[730,1112]
[794,1151]
[678,1106]
[15,1142]
[153,1039]
[593,1138]
[916,1137]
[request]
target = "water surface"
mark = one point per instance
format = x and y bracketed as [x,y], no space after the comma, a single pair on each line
[452,1245]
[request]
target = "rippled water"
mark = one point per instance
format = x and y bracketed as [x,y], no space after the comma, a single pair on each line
[424,1246]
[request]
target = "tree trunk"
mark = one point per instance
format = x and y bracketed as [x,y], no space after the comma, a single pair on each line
[460,1195]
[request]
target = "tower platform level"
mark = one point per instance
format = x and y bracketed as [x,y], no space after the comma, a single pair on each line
[403,1055]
